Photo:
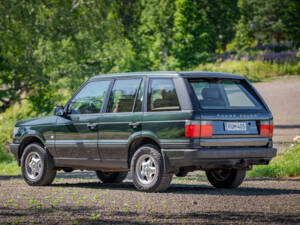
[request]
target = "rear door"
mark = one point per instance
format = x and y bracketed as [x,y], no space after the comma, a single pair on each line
[164,119]
[121,121]
[232,113]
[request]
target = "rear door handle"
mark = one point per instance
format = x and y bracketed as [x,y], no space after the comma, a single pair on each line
[92,126]
[134,124]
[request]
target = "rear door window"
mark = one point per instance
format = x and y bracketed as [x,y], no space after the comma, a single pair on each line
[223,94]
[123,95]
[162,95]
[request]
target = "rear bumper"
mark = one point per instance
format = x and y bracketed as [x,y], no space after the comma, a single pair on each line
[14,149]
[218,157]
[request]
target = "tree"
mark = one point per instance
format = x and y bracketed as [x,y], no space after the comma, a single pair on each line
[156,33]
[269,21]
[191,33]
[44,41]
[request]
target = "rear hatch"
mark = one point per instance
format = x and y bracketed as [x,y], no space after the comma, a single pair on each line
[229,113]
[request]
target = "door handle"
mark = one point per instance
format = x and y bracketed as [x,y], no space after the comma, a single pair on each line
[134,124]
[92,126]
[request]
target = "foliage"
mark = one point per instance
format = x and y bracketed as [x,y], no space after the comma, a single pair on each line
[42,42]
[285,164]
[10,168]
[191,33]
[267,21]
[253,70]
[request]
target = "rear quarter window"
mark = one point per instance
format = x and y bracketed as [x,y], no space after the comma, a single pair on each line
[224,94]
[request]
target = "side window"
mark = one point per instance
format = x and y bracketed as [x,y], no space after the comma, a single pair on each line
[139,99]
[90,98]
[162,96]
[123,95]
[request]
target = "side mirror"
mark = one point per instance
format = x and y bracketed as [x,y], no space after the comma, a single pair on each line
[59,111]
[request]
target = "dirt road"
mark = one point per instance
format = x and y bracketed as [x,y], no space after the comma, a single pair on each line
[283,98]
[190,200]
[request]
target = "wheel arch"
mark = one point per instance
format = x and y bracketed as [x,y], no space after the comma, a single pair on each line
[137,143]
[28,139]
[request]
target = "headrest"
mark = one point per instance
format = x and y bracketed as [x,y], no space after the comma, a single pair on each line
[167,95]
[210,93]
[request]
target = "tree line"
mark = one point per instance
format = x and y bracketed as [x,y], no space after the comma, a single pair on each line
[44,41]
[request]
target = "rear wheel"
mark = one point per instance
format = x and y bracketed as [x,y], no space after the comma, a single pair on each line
[111,177]
[225,178]
[148,170]
[37,166]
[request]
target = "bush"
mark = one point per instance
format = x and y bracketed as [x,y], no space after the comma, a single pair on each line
[8,119]
[252,70]
[285,164]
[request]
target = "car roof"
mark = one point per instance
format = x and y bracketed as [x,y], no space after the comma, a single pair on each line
[186,74]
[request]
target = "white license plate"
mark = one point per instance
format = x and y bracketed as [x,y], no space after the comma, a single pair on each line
[235,126]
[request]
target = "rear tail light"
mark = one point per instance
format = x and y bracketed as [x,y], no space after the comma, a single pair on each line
[266,128]
[197,129]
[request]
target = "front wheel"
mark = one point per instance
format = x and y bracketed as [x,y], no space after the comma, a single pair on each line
[147,169]
[37,166]
[111,177]
[225,178]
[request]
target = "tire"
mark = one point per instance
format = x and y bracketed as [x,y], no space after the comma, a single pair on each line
[225,178]
[37,166]
[155,179]
[111,177]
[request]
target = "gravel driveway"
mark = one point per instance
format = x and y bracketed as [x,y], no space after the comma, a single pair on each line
[190,200]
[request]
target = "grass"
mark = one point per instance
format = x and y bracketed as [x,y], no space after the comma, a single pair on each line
[253,70]
[285,164]
[10,168]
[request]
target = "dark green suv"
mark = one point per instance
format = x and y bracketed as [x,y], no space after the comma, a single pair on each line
[154,124]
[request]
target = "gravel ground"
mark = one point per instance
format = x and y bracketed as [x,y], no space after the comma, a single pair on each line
[78,198]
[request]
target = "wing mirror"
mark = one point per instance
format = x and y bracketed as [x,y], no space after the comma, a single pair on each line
[59,111]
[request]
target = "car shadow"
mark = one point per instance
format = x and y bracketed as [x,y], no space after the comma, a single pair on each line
[187,189]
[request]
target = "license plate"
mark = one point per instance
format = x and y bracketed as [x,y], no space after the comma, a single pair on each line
[235,126]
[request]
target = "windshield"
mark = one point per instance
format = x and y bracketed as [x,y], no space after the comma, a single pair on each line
[223,94]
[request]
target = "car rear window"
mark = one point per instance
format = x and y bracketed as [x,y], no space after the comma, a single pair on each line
[224,94]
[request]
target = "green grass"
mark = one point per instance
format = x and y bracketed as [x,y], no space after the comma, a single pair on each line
[285,164]
[252,70]
[10,168]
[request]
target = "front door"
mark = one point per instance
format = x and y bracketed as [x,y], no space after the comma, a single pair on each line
[121,122]
[77,132]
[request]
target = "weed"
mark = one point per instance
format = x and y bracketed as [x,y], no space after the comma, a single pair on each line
[48,197]
[37,207]
[79,202]
[151,209]
[126,207]
[15,222]
[94,216]
[136,206]
[72,196]
[58,200]
[75,222]
[94,198]
[32,201]
[284,164]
